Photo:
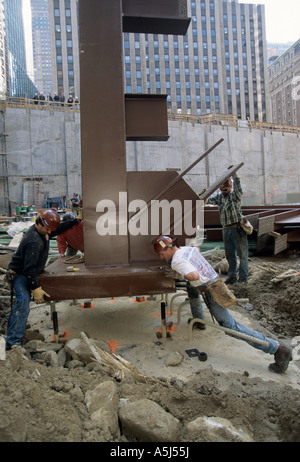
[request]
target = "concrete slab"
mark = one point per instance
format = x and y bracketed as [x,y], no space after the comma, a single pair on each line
[131,327]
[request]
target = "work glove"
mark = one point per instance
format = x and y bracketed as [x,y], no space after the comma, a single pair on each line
[170,273]
[38,295]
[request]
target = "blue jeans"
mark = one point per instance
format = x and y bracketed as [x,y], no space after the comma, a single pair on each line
[19,314]
[236,245]
[224,318]
[195,302]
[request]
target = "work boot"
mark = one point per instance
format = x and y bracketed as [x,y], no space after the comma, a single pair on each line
[283,356]
[197,325]
[230,280]
[241,282]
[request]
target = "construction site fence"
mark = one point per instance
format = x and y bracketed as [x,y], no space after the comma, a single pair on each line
[229,120]
[226,120]
[29,103]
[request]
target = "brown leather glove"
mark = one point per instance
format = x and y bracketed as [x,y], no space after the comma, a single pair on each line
[38,295]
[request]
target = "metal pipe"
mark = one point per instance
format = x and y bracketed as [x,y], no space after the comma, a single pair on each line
[226,330]
[163,320]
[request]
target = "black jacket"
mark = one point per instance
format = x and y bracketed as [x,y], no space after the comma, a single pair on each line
[30,258]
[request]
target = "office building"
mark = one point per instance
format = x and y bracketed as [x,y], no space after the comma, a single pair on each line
[18,60]
[220,66]
[284,81]
[3,83]
[63,23]
[41,46]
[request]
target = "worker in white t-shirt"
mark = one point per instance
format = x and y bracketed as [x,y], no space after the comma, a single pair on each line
[192,266]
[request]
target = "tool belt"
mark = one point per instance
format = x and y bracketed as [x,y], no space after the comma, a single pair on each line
[234,225]
[221,294]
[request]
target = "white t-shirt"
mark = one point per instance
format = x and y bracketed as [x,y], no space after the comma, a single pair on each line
[188,259]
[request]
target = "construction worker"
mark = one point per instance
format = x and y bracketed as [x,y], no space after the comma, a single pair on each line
[75,203]
[71,240]
[27,262]
[192,266]
[234,236]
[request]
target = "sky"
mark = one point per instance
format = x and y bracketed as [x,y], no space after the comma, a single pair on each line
[282,19]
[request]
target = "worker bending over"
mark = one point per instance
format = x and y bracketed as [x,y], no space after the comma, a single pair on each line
[192,266]
[26,264]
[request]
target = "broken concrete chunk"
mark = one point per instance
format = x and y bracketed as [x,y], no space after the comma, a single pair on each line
[214,429]
[174,359]
[146,421]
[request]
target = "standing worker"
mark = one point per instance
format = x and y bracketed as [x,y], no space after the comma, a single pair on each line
[192,266]
[27,262]
[234,236]
[75,203]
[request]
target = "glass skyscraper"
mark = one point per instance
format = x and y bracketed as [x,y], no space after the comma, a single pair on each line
[19,82]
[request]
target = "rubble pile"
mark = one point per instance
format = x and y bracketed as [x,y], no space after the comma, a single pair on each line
[56,392]
[80,392]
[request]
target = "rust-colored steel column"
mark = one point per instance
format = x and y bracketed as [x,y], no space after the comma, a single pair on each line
[103,134]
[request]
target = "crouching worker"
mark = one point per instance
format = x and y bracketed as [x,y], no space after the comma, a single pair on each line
[192,266]
[26,264]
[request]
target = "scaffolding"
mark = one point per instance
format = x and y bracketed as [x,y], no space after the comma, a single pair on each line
[4,190]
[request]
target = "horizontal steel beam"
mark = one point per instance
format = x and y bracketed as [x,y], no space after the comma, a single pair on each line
[143,278]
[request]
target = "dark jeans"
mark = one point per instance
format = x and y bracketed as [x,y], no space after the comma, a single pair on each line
[236,245]
[19,314]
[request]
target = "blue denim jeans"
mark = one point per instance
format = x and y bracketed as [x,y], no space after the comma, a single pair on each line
[19,314]
[236,245]
[195,302]
[224,318]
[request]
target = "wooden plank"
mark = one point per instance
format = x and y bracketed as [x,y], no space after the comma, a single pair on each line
[280,244]
[265,225]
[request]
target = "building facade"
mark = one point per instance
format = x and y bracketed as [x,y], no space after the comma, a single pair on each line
[284,80]
[41,46]
[18,62]
[220,66]
[63,20]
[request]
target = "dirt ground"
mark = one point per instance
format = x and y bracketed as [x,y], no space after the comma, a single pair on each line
[44,404]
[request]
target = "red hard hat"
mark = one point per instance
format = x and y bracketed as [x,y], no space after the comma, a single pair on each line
[51,219]
[161,242]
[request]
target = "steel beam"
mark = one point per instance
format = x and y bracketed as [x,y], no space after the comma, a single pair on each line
[155,16]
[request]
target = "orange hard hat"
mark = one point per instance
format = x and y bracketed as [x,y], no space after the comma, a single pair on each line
[51,219]
[161,242]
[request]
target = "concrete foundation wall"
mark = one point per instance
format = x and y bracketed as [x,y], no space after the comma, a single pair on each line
[42,145]
[43,151]
[271,159]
